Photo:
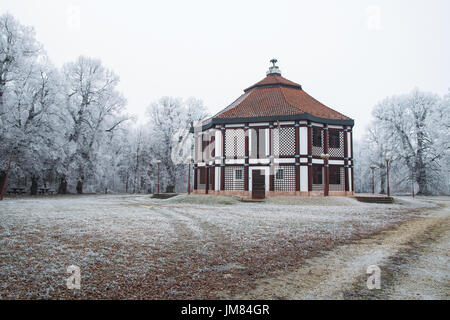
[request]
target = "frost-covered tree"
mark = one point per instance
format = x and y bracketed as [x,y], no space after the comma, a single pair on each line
[18,49]
[95,107]
[169,120]
[29,94]
[67,128]
[411,129]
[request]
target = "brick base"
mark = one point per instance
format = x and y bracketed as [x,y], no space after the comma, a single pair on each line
[275,193]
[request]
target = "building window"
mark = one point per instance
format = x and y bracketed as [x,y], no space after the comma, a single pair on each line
[202,175]
[334,139]
[335,175]
[317,175]
[213,147]
[258,143]
[238,174]
[283,140]
[234,143]
[280,174]
[317,137]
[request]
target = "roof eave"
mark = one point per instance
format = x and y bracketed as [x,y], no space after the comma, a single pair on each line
[301,116]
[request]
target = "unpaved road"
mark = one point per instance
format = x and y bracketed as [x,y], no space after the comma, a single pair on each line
[414,262]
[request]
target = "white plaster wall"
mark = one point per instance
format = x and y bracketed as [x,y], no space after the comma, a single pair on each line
[217,179]
[218,144]
[234,161]
[284,160]
[304,178]
[349,145]
[349,172]
[303,140]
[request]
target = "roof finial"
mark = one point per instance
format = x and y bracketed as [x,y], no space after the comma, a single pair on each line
[274,70]
[274,61]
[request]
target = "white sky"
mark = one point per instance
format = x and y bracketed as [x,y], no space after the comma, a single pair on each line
[347,54]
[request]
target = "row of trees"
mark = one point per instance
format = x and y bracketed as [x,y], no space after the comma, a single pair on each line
[413,130]
[67,128]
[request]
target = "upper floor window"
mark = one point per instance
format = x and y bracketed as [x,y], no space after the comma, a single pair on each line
[317,137]
[334,139]
[208,147]
[205,144]
[283,140]
[257,143]
[234,143]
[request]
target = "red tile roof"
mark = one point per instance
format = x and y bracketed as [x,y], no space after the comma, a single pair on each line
[273,80]
[277,96]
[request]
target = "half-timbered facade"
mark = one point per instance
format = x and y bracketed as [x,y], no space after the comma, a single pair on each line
[274,137]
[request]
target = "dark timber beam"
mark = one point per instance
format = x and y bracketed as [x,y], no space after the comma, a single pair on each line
[297,156]
[309,156]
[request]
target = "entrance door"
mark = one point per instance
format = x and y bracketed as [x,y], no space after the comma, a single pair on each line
[258,184]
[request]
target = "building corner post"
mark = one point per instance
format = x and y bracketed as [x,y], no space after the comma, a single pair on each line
[309,125]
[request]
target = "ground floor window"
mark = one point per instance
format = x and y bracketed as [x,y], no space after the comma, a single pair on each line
[234,178]
[202,175]
[337,178]
[317,175]
[238,174]
[280,174]
[335,175]
[284,178]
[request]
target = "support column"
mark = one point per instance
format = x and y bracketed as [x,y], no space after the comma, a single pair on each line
[346,175]
[271,171]
[326,186]
[212,172]
[212,155]
[246,157]
[222,166]
[297,156]
[351,155]
[206,179]
[195,177]
[310,156]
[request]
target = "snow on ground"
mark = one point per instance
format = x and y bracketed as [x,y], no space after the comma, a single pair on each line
[133,246]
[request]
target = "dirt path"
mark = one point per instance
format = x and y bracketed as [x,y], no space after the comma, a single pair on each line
[414,262]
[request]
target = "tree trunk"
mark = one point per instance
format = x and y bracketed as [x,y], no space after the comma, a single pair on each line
[62,189]
[80,187]
[34,186]
[2,178]
[2,86]
[382,181]
[422,182]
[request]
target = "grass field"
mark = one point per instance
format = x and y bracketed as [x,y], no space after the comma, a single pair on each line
[132,246]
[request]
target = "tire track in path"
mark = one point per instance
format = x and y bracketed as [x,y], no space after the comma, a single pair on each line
[341,273]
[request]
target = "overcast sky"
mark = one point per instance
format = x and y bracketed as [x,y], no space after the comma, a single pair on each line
[347,54]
